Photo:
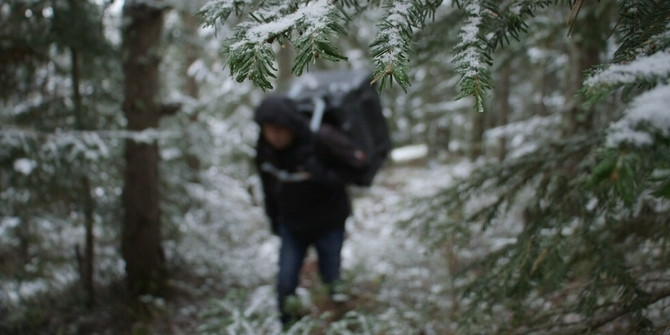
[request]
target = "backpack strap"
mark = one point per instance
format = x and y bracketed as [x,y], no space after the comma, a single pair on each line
[317,114]
[283,175]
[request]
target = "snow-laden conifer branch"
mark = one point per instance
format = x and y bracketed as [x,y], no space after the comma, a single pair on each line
[510,21]
[633,28]
[146,136]
[308,24]
[72,145]
[473,62]
[487,26]
[641,63]
[217,11]
[650,69]
[646,118]
[315,27]
[392,47]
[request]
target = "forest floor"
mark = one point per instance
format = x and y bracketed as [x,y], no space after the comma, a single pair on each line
[384,267]
[388,274]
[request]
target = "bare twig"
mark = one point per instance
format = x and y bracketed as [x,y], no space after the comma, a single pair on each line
[574,12]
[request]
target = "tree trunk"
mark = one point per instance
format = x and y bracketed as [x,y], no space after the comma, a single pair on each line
[585,47]
[284,59]
[190,22]
[190,85]
[85,261]
[502,98]
[141,234]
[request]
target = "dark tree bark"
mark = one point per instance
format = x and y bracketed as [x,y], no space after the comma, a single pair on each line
[284,58]
[589,40]
[141,234]
[190,85]
[504,108]
[86,261]
[190,21]
[86,258]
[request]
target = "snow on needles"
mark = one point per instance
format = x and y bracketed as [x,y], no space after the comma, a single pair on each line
[468,57]
[649,109]
[393,33]
[649,68]
[313,14]
[647,115]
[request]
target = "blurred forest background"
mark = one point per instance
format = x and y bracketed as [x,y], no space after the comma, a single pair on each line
[539,203]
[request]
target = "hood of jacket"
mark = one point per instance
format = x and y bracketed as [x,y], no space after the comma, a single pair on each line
[282,111]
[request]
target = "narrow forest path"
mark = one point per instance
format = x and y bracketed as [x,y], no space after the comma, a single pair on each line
[385,269]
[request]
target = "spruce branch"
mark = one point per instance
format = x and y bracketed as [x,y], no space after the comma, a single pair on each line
[508,21]
[252,62]
[550,322]
[567,248]
[314,41]
[642,32]
[630,76]
[218,11]
[472,58]
[393,44]
[250,52]
[642,28]
[487,27]
[620,311]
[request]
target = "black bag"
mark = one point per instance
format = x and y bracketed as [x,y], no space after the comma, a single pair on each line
[347,101]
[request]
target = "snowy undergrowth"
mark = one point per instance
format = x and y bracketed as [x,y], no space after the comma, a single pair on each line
[396,284]
[228,237]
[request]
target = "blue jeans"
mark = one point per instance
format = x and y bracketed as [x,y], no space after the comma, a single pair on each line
[292,254]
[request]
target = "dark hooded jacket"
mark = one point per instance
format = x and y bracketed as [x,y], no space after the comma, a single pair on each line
[309,206]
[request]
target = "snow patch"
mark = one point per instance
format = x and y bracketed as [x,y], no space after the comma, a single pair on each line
[646,68]
[409,153]
[647,116]
[24,166]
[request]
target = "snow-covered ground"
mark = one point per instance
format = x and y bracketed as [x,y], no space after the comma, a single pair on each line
[389,273]
[227,258]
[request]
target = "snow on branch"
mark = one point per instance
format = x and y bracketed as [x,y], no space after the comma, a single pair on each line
[71,145]
[468,58]
[392,46]
[653,68]
[647,116]
[472,59]
[312,15]
[390,50]
[250,52]
[219,10]
[91,145]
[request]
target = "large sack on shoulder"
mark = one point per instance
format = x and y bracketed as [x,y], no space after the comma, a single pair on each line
[347,101]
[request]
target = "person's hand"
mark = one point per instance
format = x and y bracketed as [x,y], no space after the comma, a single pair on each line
[303,175]
[314,169]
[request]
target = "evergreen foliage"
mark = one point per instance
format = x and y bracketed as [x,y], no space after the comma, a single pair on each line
[590,252]
[311,25]
[57,166]
[592,204]
[567,234]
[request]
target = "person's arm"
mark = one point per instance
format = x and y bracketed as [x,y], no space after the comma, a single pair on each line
[323,173]
[269,186]
[341,148]
[337,160]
